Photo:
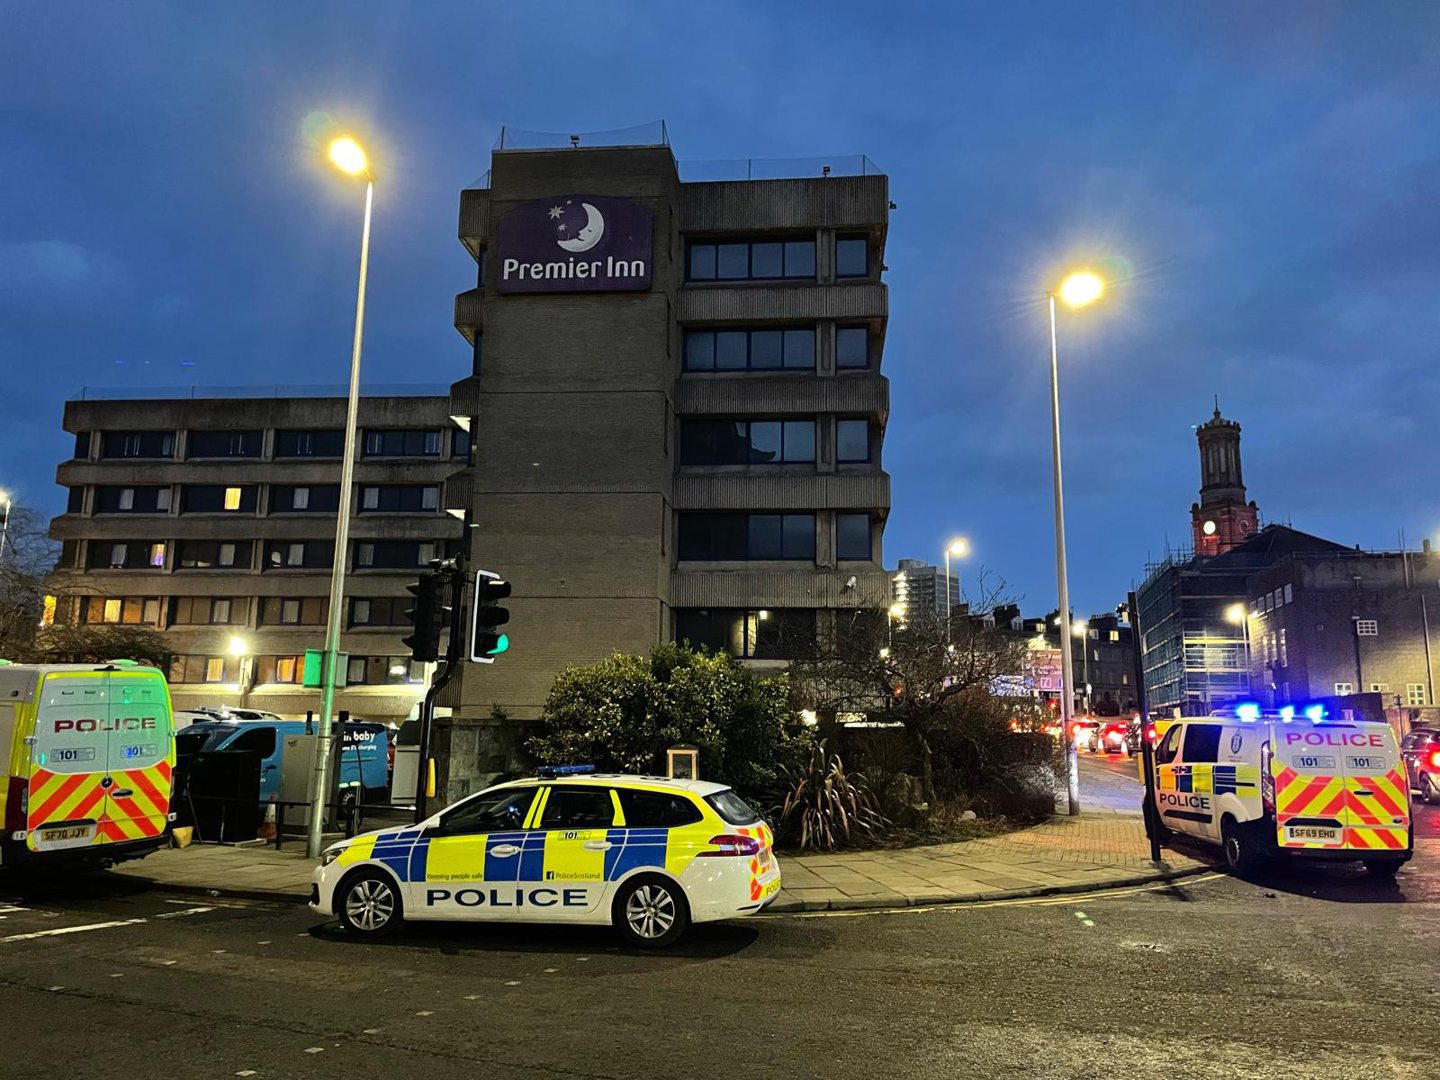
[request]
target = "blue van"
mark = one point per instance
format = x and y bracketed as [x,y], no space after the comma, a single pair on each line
[364,754]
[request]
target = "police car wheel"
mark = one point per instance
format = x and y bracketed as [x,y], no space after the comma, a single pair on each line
[1429,793]
[1241,855]
[369,904]
[651,912]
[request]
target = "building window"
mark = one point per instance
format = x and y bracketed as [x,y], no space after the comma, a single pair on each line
[852,536]
[757,260]
[215,669]
[82,446]
[211,554]
[289,612]
[852,256]
[393,554]
[773,634]
[137,444]
[1367,628]
[130,500]
[75,500]
[852,441]
[1114,635]
[299,554]
[223,444]
[293,610]
[1289,594]
[721,537]
[157,554]
[288,669]
[852,347]
[325,443]
[1415,694]
[217,498]
[1379,687]
[219,611]
[111,612]
[1284,651]
[402,442]
[355,670]
[750,350]
[316,499]
[124,555]
[747,442]
[399,498]
[379,611]
[1344,688]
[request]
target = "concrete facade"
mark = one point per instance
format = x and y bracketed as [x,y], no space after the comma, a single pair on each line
[584,411]
[138,481]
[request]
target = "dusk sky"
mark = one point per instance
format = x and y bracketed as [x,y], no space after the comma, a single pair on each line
[1267,176]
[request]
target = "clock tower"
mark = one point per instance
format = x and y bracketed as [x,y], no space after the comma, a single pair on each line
[1222,518]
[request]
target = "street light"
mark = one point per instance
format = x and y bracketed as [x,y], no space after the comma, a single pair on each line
[5,524]
[1079,630]
[1238,614]
[1076,290]
[347,155]
[959,548]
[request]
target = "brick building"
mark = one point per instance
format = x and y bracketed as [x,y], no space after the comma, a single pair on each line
[211,518]
[679,411]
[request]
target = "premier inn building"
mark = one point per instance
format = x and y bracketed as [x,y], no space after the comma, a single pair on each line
[677,405]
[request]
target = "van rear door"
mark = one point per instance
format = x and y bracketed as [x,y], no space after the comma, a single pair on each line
[70,763]
[1377,804]
[141,749]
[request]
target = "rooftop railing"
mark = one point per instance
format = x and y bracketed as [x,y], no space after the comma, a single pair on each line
[237,393]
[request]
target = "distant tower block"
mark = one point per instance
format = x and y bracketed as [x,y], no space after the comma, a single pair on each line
[1222,518]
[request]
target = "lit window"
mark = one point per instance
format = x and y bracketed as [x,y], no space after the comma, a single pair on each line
[290,611]
[118,553]
[1289,594]
[285,669]
[47,613]
[1379,687]
[1343,688]
[1415,694]
[1367,628]
[219,611]
[355,670]
[127,498]
[157,554]
[1114,635]
[232,498]
[112,611]
[150,614]
[215,669]
[301,499]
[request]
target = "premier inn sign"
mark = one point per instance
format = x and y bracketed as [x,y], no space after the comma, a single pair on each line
[575,243]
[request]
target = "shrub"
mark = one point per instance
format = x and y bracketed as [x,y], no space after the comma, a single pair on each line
[981,757]
[827,807]
[622,713]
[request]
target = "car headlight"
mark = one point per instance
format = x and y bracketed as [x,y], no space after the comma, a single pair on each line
[330,854]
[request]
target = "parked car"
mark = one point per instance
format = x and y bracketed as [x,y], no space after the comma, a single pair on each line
[186,717]
[363,756]
[1083,734]
[1115,737]
[1421,751]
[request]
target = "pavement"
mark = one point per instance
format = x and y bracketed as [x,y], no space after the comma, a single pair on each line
[1104,847]
[1309,975]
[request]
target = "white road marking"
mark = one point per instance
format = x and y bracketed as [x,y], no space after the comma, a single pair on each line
[370,1031]
[71,930]
[246,1072]
[181,914]
[315,1049]
[513,982]
[425,1012]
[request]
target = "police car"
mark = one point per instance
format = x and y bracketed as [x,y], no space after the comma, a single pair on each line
[647,854]
[1292,784]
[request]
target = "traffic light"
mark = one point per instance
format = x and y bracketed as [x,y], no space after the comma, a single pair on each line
[486,641]
[427,616]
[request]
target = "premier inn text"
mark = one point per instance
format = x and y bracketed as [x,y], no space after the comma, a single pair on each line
[567,269]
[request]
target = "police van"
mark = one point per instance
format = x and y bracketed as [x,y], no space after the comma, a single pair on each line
[88,752]
[1293,785]
[646,854]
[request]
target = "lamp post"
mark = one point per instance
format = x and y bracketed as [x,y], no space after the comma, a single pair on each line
[347,156]
[1237,614]
[237,648]
[5,524]
[1077,290]
[1080,631]
[959,548]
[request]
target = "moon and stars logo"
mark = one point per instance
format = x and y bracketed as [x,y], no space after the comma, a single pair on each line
[572,235]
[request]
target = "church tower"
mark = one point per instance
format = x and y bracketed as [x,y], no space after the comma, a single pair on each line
[1222,518]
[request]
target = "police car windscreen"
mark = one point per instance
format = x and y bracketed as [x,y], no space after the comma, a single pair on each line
[733,808]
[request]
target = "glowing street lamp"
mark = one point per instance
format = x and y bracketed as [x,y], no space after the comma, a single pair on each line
[959,547]
[1076,290]
[346,155]
[1239,615]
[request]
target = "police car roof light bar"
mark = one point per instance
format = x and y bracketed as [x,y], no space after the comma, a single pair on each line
[550,772]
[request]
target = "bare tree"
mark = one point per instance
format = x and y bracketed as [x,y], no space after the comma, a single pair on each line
[29,555]
[914,667]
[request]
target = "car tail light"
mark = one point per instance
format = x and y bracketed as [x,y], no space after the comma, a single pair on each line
[17,804]
[1150,734]
[733,844]
[1267,778]
[1434,759]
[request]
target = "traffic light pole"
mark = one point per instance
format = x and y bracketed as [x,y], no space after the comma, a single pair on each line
[454,650]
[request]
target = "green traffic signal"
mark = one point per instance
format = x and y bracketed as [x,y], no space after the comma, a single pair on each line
[502,644]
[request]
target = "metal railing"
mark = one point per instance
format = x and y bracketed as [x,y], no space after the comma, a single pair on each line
[257,392]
